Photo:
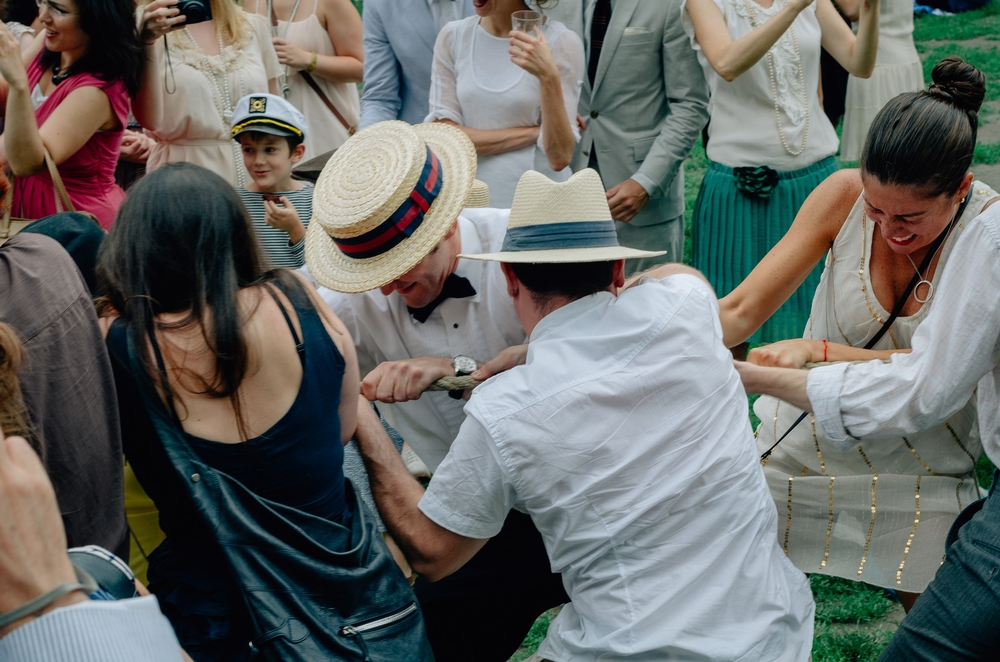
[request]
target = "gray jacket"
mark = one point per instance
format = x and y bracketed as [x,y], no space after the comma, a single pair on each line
[648,104]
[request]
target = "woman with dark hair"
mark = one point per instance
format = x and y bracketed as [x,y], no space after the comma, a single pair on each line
[260,377]
[71,99]
[880,512]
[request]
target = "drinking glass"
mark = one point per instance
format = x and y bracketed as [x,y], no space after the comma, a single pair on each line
[526,21]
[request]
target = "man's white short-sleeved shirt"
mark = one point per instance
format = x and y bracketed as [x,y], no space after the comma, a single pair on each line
[479,326]
[625,436]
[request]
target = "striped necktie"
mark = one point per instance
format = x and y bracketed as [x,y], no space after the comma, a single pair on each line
[598,28]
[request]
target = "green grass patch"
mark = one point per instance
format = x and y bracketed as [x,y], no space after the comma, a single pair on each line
[838,645]
[986,60]
[987,154]
[694,171]
[535,636]
[984,472]
[843,601]
[983,22]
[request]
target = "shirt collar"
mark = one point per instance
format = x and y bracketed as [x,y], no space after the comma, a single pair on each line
[560,317]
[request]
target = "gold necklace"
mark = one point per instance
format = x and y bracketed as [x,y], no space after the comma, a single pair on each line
[774,82]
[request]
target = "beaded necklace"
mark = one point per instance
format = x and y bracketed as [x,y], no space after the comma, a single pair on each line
[774,82]
[225,101]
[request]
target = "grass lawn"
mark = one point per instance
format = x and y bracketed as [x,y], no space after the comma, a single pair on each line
[854,621]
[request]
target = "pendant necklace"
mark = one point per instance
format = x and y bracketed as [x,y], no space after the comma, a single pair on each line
[924,281]
[59,75]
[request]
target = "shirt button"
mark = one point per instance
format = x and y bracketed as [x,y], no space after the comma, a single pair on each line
[455,326]
[593,114]
[195,478]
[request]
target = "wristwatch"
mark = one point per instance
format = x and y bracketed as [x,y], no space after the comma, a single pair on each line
[464,365]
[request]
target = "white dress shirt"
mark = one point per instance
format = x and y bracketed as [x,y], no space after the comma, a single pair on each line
[479,326]
[955,354]
[96,631]
[626,438]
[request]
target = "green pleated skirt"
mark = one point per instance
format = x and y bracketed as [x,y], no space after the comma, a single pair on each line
[731,232]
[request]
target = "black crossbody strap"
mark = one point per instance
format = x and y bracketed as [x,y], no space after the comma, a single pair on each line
[896,310]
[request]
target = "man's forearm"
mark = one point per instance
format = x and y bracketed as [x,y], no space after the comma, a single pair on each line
[396,492]
[783,383]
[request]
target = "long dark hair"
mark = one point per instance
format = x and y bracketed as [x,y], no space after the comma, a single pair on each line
[927,139]
[183,243]
[115,50]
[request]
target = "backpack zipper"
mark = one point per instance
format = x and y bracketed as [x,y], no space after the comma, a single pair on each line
[385,621]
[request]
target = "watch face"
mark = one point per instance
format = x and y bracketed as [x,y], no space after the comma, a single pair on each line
[465,365]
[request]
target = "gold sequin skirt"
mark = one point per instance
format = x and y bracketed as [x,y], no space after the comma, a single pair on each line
[879,512]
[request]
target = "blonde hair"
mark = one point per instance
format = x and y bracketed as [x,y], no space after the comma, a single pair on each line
[230,23]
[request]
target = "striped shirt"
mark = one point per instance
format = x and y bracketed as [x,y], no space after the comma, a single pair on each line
[275,242]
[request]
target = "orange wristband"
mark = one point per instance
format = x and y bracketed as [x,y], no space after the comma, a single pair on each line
[826,346]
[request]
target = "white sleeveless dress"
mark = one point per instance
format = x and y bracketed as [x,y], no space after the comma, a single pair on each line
[880,512]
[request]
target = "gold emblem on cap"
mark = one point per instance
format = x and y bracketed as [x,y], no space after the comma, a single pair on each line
[258,104]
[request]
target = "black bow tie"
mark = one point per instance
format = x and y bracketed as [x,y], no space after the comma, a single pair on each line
[455,287]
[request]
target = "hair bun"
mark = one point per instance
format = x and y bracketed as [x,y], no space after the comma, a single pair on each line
[959,82]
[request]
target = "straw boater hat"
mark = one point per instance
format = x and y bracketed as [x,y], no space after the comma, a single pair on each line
[561,222]
[385,199]
[479,196]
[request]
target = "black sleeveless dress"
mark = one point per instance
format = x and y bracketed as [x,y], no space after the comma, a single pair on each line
[297,462]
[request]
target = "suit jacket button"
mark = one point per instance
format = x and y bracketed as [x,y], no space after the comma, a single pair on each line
[593,114]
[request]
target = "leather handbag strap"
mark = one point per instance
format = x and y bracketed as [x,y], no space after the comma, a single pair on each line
[63,202]
[329,104]
[312,82]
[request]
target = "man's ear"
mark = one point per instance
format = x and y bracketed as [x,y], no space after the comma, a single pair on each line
[451,231]
[513,284]
[618,277]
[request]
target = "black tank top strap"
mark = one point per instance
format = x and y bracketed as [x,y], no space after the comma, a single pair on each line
[300,346]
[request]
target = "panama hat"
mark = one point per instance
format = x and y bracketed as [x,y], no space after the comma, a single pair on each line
[386,199]
[561,222]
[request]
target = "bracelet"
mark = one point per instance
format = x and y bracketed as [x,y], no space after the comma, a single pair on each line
[84,583]
[826,346]
[312,65]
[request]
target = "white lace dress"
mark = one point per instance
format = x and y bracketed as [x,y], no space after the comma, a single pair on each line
[743,131]
[475,84]
[880,512]
[897,70]
[196,119]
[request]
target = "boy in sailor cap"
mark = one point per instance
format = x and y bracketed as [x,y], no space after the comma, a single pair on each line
[271,132]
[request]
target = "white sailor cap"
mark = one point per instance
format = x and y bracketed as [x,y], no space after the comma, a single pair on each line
[267,113]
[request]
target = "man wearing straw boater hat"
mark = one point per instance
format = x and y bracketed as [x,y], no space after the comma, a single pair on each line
[625,437]
[387,228]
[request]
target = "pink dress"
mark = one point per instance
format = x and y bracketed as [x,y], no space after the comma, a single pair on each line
[89,174]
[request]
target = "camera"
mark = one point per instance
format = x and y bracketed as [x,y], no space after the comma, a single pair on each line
[195,11]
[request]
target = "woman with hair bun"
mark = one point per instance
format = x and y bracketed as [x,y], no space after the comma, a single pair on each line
[878,513]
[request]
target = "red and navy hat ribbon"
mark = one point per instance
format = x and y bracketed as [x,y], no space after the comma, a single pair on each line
[404,221]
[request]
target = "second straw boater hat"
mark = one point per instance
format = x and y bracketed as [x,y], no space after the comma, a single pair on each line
[385,199]
[561,222]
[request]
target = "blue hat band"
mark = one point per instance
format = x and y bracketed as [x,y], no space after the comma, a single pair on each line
[555,236]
